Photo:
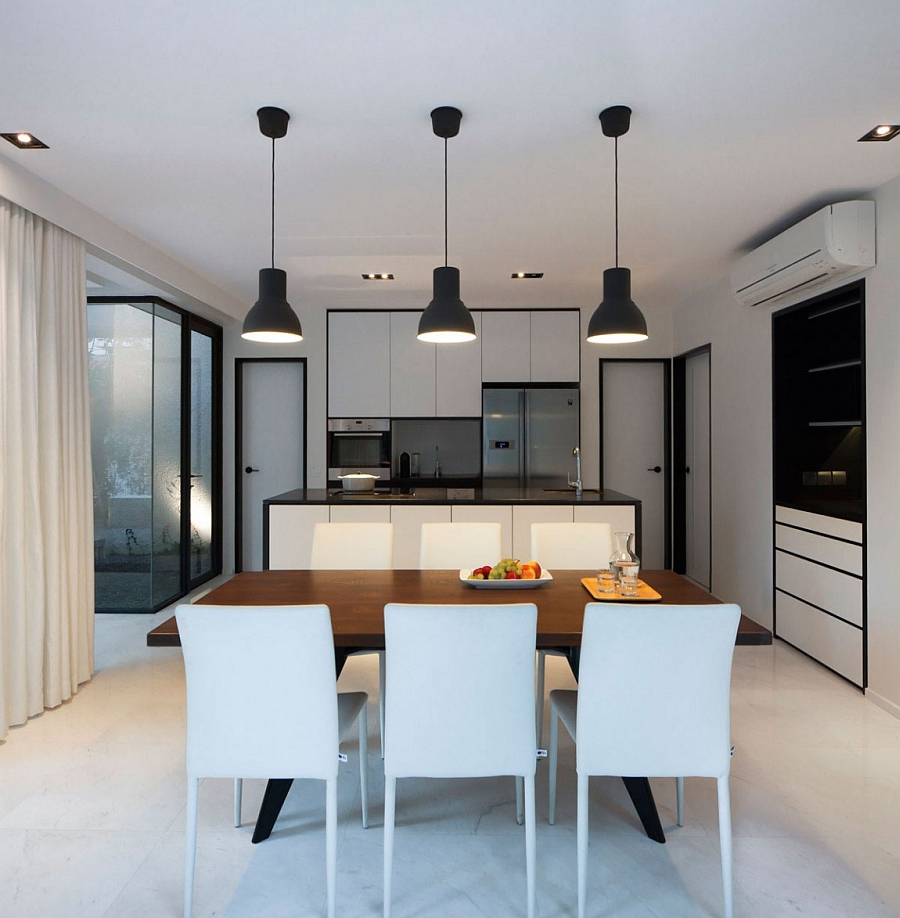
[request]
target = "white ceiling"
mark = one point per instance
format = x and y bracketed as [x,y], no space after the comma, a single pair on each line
[746,116]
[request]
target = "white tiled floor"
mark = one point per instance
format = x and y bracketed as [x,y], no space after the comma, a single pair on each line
[91,814]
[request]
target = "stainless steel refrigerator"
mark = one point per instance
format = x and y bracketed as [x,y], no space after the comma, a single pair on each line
[529,435]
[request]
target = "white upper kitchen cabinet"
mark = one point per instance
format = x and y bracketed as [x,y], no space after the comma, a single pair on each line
[359,364]
[459,377]
[412,369]
[505,346]
[555,345]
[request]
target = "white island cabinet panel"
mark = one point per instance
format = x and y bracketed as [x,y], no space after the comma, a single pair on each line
[407,522]
[505,346]
[620,518]
[359,364]
[459,377]
[365,514]
[555,345]
[524,515]
[290,535]
[487,513]
[412,369]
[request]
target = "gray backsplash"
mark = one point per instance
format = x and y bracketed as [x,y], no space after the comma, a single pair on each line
[458,443]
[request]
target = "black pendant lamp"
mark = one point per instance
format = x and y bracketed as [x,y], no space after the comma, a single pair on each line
[616,320]
[446,319]
[271,319]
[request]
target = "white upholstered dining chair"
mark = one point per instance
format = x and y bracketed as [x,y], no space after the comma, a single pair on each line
[566,547]
[262,702]
[460,703]
[454,546]
[653,699]
[356,546]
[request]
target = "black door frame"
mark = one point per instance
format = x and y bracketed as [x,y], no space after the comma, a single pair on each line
[666,363]
[679,448]
[239,363]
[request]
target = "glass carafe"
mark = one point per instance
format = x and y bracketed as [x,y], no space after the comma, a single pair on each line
[623,560]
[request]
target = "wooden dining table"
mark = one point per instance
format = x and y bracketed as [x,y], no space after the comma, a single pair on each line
[357,599]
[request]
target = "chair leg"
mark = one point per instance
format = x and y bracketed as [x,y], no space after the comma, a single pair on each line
[539,698]
[381,681]
[552,764]
[530,843]
[520,808]
[390,802]
[190,844]
[582,842]
[238,796]
[725,845]
[364,765]
[679,800]
[330,844]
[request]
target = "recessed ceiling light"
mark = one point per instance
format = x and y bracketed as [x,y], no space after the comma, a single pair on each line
[881,132]
[24,141]
[378,277]
[526,275]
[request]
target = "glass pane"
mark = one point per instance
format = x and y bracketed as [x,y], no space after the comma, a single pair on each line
[201,453]
[120,346]
[166,455]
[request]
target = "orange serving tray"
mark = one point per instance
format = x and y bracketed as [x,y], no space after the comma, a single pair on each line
[644,594]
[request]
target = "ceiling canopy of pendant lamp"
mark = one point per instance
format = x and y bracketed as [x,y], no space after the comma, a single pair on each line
[617,320]
[446,319]
[271,320]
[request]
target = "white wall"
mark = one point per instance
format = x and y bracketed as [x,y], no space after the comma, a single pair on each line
[883,452]
[742,446]
[741,385]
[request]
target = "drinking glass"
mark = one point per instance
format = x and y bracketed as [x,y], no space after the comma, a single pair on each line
[606,580]
[628,578]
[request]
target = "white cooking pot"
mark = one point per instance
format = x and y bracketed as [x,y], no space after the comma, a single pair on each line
[358,481]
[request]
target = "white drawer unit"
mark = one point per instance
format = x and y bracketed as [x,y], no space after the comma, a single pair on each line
[820,589]
[828,639]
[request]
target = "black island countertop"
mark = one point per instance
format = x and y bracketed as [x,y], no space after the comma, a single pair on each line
[432,495]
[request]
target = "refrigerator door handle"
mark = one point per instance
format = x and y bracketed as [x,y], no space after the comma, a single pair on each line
[525,415]
[523,438]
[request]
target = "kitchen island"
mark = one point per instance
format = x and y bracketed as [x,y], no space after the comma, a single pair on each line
[289,518]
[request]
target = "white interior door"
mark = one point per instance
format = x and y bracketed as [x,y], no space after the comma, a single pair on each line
[633,421]
[697,463]
[272,444]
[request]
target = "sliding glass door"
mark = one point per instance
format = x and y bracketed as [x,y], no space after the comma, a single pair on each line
[156,409]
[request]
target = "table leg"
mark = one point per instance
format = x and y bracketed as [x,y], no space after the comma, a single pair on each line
[638,788]
[277,788]
[642,798]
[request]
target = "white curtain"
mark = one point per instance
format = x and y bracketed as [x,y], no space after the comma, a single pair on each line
[46,515]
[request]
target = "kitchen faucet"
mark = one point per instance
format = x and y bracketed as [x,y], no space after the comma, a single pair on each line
[576,484]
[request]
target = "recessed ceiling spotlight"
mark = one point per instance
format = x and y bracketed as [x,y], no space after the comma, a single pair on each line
[526,275]
[24,141]
[881,132]
[378,277]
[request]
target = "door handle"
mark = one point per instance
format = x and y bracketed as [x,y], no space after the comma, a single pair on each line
[687,470]
[249,469]
[656,468]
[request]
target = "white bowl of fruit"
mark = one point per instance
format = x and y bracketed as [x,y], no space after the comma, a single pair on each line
[508,574]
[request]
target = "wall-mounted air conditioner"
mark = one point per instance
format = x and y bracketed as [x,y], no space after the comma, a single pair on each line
[838,239]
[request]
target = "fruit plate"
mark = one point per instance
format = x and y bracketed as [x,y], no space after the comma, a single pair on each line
[545,577]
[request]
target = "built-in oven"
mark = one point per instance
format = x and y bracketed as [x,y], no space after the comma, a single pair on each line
[359,445]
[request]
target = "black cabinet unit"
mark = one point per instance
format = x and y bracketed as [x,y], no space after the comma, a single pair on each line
[819,405]
[818,436]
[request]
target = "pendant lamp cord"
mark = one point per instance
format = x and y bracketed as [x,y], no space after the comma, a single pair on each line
[445,202]
[617,200]
[273,202]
